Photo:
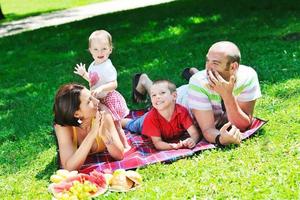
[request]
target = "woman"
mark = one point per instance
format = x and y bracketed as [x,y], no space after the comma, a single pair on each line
[81,129]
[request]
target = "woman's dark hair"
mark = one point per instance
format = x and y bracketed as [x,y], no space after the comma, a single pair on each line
[67,102]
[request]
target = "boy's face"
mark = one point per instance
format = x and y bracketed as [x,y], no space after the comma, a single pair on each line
[100,49]
[161,97]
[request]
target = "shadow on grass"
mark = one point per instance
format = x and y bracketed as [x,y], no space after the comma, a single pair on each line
[48,170]
[260,133]
[12,16]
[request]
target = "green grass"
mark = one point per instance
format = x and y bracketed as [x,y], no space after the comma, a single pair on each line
[17,9]
[160,40]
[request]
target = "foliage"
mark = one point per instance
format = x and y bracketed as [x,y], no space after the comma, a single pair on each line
[160,40]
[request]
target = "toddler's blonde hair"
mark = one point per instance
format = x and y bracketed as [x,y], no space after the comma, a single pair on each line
[99,34]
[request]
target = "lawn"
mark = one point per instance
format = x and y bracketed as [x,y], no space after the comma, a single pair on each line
[17,9]
[160,40]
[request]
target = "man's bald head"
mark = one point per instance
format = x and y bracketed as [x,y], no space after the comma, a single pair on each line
[229,49]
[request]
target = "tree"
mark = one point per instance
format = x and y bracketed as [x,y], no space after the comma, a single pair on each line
[1,13]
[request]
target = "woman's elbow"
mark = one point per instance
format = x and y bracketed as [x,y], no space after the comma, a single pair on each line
[70,168]
[119,156]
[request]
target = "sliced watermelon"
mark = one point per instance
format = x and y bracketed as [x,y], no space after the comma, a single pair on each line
[55,188]
[95,178]
[99,178]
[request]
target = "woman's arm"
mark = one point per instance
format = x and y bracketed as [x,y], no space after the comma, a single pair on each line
[110,137]
[70,157]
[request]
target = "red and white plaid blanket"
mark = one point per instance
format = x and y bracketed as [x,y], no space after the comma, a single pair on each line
[143,152]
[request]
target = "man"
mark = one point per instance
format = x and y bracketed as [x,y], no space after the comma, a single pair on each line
[224,91]
[224,81]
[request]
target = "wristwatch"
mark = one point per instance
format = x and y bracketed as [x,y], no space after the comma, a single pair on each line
[217,141]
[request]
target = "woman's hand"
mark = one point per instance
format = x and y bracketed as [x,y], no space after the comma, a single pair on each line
[98,122]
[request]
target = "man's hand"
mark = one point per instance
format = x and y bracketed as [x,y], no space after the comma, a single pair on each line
[189,143]
[230,137]
[219,84]
[80,70]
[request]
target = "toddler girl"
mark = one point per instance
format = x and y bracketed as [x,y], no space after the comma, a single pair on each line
[102,78]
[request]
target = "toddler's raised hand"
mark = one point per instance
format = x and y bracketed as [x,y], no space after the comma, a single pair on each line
[80,70]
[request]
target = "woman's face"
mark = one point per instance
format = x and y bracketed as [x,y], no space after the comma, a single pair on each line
[89,104]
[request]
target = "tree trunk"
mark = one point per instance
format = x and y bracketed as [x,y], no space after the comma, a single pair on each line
[1,14]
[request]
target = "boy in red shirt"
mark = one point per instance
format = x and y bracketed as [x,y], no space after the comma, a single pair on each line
[167,121]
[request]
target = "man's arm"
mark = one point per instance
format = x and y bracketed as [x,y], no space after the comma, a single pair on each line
[239,113]
[206,121]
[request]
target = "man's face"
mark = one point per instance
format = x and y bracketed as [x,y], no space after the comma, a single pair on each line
[216,61]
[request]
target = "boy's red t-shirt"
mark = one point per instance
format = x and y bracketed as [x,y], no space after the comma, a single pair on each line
[157,126]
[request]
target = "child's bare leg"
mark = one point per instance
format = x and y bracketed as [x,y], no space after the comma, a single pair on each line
[144,84]
[122,135]
[193,70]
[124,122]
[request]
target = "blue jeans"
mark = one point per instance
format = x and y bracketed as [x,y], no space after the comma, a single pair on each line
[136,125]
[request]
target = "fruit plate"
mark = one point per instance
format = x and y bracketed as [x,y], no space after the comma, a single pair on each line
[124,190]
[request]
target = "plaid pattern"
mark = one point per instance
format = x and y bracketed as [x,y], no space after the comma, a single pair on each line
[144,153]
[116,104]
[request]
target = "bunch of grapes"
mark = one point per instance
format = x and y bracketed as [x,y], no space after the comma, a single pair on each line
[79,191]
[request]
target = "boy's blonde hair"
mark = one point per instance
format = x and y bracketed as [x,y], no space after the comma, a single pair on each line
[171,85]
[99,34]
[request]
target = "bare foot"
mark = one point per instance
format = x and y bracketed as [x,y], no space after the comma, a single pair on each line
[141,84]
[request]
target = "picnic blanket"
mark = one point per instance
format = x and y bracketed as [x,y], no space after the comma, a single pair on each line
[144,153]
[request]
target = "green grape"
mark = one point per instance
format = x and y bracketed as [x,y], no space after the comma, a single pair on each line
[79,191]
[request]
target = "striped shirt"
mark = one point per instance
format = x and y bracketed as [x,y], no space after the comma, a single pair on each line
[200,97]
